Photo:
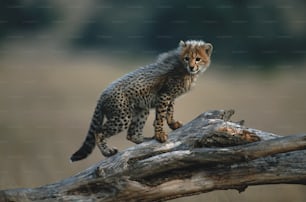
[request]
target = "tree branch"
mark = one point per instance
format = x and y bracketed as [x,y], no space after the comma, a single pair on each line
[209,153]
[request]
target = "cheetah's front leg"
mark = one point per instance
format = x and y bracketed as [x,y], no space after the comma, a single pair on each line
[170,121]
[160,115]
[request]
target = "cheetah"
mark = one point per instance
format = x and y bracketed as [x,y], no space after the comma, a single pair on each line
[126,102]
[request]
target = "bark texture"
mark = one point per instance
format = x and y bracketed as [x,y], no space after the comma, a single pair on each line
[209,153]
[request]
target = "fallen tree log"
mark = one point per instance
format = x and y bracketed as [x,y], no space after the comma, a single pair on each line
[209,153]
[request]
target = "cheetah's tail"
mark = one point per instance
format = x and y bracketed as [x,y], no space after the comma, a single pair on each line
[90,142]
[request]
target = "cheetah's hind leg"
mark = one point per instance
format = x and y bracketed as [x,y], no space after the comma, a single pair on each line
[112,126]
[102,145]
[138,121]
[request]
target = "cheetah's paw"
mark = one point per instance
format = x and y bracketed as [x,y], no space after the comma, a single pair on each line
[109,152]
[137,139]
[161,136]
[175,125]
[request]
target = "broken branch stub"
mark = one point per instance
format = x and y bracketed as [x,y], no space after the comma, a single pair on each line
[209,153]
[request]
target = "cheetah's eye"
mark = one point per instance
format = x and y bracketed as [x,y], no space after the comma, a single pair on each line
[186,58]
[198,59]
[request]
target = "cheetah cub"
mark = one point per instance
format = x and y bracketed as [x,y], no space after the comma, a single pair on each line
[126,102]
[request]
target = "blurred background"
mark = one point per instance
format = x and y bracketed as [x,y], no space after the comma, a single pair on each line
[57,56]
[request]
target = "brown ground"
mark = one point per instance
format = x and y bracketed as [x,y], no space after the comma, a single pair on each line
[46,106]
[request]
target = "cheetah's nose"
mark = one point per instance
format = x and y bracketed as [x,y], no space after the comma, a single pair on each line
[191,68]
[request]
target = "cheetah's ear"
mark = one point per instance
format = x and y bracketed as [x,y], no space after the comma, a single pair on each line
[208,48]
[182,44]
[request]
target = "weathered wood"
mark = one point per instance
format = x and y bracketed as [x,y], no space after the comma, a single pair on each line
[209,153]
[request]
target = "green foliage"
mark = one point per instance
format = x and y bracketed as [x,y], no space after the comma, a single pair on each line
[241,31]
[262,33]
[20,16]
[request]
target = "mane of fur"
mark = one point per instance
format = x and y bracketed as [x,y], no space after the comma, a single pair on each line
[194,43]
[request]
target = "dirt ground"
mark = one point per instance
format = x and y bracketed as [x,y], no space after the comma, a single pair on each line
[46,105]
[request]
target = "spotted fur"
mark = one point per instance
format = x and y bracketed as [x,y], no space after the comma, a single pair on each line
[126,102]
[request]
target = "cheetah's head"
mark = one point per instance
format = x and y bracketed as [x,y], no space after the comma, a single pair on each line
[195,55]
